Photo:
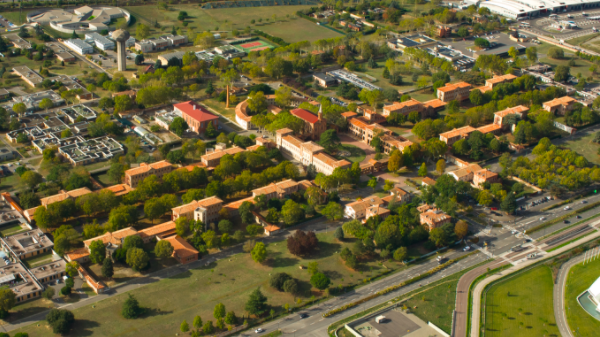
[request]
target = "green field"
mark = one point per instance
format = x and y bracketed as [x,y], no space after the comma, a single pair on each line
[521,305]
[356,154]
[282,20]
[436,304]
[407,83]
[585,146]
[197,291]
[581,66]
[580,279]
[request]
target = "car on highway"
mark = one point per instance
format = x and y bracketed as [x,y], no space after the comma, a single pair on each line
[578,217]
[259,330]
[542,219]
[467,248]
[566,221]
[303,315]
[567,208]
[583,201]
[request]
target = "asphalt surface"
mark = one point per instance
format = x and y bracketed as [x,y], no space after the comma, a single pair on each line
[559,296]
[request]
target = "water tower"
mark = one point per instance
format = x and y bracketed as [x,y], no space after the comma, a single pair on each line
[121,36]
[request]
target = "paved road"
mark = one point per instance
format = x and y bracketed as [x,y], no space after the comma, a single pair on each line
[559,296]
[462,296]
[316,325]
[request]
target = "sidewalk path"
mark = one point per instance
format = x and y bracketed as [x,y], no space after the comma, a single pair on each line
[559,296]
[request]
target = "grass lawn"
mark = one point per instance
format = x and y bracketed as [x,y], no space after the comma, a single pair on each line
[75,68]
[291,29]
[197,291]
[220,108]
[16,17]
[586,147]
[104,179]
[580,279]
[356,154]
[522,305]
[97,165]
[38,260]
[10,230]
[436,304]
[407,83]
[9,183]
[29,308]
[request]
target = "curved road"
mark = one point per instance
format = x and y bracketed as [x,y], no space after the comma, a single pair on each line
[559,296]
[462,296]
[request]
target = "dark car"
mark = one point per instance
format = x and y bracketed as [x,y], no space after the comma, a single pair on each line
[579,217]
[566,221]
[303,315]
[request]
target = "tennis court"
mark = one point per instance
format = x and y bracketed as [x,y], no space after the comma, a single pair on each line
[255,46]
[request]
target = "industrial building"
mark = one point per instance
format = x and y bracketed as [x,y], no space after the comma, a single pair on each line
[525,9]
[102,42]
[79,46]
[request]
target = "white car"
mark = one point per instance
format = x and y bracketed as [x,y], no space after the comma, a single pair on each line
[567,208]
[259,330]
[542,219]
[467,248]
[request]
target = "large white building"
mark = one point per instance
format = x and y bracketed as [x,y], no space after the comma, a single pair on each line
[79,46]
[525,9]
[100,41]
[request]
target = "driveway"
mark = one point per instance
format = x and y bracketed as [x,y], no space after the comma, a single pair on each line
[369,151]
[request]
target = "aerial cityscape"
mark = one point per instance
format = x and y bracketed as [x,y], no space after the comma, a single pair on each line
[396,168]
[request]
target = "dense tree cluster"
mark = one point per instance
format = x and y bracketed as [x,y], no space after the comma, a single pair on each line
[302,243]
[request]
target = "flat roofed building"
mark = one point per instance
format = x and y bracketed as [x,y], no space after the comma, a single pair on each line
[455,135]
[32,101]
[100,41]
[510,9]
[50,272]
[559,106]
[91,151]
[17,278]
[66,57]
[324,80]
[456,91]
[210,210]
[29,76]
[27,244]
[79,46]
[136,175]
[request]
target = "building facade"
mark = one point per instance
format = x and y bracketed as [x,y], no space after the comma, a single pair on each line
[134,176]
[457,91]
[197,117]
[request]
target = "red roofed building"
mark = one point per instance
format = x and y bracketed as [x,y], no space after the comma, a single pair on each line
[314,126]
[196,116]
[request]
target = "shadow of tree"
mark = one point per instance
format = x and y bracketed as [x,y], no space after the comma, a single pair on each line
[83,327]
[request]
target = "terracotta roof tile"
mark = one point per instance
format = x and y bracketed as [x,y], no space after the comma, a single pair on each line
[450,87]
[181,248]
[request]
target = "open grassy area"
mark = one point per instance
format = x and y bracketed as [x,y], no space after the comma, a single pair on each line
[585,146]
[521,305]
[580,279]
[38,260]
[356,154]
[16,17]
[581,66]
[10,230]
[197,291]
[287,25]
[407,83]
[9,183]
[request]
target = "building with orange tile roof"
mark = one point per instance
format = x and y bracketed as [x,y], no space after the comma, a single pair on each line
[465,173]
[358,209]
[365,131]
[377,211]
[205,210]
[457,91]
[490,128]
[404,108]
[455,135]
[390,142]
[326,164]
[427,182]
[214,158]
[348,114]
[80,255]
[278,190]
[314,126]
[434,218]
[64,195]
[233,208]
[97,286]
[373,166]
[118,190]
[160,231]
[183,252]
[491,83]
[485,176]
[114,239]
[397,195]
[136,175]
[559,106]
[434,104]
[500,116]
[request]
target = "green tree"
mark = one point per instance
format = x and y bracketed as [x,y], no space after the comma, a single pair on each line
[178,126]
[197,322]
[257,303]
[97,251]
[184,327]
[131,308]
[333,211]
[320,281]
[219,311]
[46,104]
[400,254]
[137,258]
[292,212]
[423,170]
[259,252]
[163,249]
[107,268]
[372,183]
[123,103]
[461,229]
[440,166]
[19,108]
[339,234]
[556,53]
[438,237]
[509,204]
[329,140]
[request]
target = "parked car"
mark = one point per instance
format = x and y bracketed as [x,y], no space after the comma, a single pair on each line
[494,208]
[583,201]
[259,330]
[566,221]
[467,248]
[303,315]
[542,219]
[567,208]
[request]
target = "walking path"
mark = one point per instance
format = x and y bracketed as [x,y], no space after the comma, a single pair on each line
[559,296]
[520,264]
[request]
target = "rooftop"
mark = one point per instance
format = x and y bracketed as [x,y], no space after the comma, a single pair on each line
[195,111]
[305,115]
[565,100]
[465,130]
[26,242]
[450,87]
[187,208]
[147,167]
[514,110]
[181,248]
[114,238]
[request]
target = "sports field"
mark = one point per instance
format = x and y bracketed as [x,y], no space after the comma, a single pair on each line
[255,46]
[521,305]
